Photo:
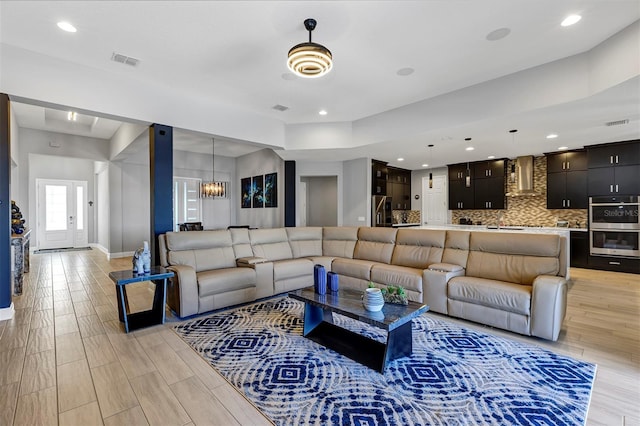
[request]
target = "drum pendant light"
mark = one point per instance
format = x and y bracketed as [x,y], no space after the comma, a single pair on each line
[213,189]
[310,60]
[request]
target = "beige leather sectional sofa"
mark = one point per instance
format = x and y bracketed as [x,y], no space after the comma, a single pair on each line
[507,280]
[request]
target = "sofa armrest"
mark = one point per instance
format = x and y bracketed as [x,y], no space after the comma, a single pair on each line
[445,267]
[182,290]
[434,287]
[250,261]
[548,306]
[264,274]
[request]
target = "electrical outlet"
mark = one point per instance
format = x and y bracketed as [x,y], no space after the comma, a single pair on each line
[361,219]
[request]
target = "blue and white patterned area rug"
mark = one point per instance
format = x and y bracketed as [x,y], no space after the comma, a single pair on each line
[454,377]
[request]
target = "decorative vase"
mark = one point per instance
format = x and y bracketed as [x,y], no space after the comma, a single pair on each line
[319,279]
[332,281]
[373,300]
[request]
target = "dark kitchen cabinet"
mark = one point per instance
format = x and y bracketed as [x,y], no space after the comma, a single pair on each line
[460,196]
[566,161]
[489,169]
[489,193]
[614,169]
[567,190]
[620,180]
[579,249]
[614,154]
[489,184]
[399,188]
[379,174]
[460,171]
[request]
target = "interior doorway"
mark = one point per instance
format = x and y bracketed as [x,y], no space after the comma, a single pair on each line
[321,200]
[434,201]
[61,209]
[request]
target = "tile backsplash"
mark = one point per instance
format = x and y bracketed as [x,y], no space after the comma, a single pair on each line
[413,216]
[527,210]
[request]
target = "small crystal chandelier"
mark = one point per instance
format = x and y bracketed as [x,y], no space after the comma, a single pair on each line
[310,60]
[213,189]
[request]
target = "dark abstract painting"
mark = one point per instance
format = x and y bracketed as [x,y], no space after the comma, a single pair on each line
[257,191]
[271,190]
[245,184]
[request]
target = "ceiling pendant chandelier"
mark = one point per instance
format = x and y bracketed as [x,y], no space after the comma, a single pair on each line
[213,189]
[310,60]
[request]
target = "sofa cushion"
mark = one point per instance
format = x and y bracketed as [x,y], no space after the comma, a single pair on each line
[223,280]
[418,248]
[375,244]
[515,258]
[202,250]
[339,241]
[241,242]
[305,241]
[293,268]
[386,275]
[272,244]
[456,248]
[501,295]
[353,268]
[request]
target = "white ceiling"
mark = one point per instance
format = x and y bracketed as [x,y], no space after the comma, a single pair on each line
[234,52]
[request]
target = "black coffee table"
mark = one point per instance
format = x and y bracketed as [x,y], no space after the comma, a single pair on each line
[395,319]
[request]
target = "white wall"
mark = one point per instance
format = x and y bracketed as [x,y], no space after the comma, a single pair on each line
[14,137]
[255,164]
[101,206]
[357,192]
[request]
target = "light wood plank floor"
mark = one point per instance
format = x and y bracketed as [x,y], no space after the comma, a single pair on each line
[64,358]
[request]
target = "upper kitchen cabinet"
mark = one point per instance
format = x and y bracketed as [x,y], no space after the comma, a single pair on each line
[399,188]
[566,161]
[461,186]
[489,184]
[614,169]
[379,174]
[489,169]
[567,180]
[614,154]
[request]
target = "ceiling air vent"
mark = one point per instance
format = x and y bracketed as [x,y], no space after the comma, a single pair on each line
[617,123]
[280,108]
[124,59]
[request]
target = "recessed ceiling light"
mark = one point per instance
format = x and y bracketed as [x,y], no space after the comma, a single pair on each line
[322,112]
[552,136]
[400,159]
[403,72]
[425,165]
[65,26]
[498,34]
[570,20]
[491,157]
[469,148]
[563,148]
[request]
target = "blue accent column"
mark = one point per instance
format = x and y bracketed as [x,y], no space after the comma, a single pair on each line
[289,193]
[5,204]
[161,167]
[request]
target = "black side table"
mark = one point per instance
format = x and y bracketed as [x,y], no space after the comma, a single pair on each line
[156,315]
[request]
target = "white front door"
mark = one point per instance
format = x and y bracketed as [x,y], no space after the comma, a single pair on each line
[62,214]
[434,201]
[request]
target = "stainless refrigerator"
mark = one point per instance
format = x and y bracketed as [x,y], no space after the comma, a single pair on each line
[381,211]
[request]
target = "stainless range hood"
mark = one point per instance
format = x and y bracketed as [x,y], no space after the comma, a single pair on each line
[524,177]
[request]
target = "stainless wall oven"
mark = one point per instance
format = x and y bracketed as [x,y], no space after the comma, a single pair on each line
[614,226]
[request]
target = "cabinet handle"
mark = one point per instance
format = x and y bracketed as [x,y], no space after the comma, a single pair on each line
[611,159]
[563,165]
[568,203]
[614,263]
[563,203]
[490,204]
[616,159]
[610,188]
[568,166]
[616,187]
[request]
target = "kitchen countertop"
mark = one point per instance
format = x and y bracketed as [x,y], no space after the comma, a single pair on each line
[404,225]
[514,229]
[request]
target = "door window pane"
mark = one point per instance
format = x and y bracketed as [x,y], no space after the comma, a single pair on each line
[79,208]
[186,202]
[56,207]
